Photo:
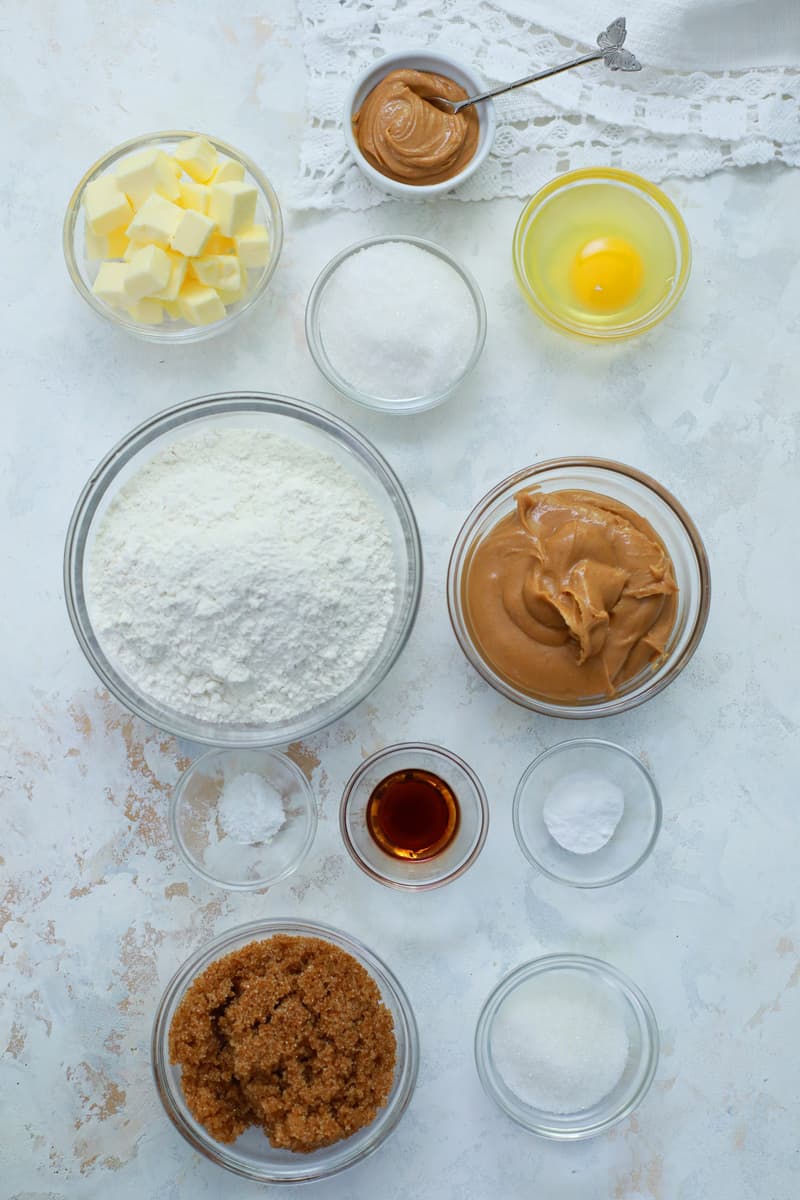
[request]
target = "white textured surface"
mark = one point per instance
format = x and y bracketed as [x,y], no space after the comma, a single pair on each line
[95,909]
[688,119]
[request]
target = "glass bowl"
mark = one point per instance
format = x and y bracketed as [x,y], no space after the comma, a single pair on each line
[629,185]
[82,272]
[319,353]
[631,842]
[646,497]
[252,1155]
[300,422]
[414,874]
[615,992]
[419,60]
[199,832]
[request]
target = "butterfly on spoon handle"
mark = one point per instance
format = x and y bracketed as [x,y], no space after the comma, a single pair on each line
[610,43]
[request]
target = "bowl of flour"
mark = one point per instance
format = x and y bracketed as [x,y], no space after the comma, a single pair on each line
[242,569]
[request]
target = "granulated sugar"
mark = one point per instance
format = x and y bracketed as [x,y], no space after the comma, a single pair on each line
[397,321]
[560,1043]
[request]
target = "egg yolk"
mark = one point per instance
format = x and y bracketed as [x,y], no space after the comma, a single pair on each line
[606,273]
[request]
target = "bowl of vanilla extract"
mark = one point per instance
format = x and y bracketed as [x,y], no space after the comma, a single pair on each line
[414,816]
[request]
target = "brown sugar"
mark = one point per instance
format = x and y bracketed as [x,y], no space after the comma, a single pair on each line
[289,1033]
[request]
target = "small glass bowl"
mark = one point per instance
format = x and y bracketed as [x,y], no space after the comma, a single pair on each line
[646,497]
[626,181]
[439,64]
[629,845]
[319,353]
[252,1156]
[202,841]
[418,875]
[82,272]
[297,421]
[636,1078]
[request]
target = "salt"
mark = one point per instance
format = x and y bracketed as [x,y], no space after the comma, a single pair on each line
[559,1043]
[582,811]
[249,809]
[397,322]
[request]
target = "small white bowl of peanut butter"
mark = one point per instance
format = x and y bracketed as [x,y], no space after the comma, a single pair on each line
[404,144]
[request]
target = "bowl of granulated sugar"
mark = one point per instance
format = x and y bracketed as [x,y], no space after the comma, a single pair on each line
[395,323]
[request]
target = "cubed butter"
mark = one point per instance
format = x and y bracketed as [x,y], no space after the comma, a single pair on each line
[200,305]
[233,296]
[217,244]
[175,166]
[106,205]
[192,233]
[172,308]
[117,243]
[233,206]
[252,246]
[110,284]
[145,172]
[197,157]
[218,271]
[155,222]
[227,170]
[194,195]
[96,245]
[147,272]
[177,275]
[147,312]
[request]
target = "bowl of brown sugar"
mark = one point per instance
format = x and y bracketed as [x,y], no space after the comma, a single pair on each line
[285,1051]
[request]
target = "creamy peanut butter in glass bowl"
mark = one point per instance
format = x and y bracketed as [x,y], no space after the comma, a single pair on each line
[669,525]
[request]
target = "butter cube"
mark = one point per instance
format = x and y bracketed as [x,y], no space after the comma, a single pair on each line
[197,157]
[217,244]
[228,169]
[200,305]
[194,195]
[252,246]
[148,171]
[192,233]
[218,271]
[148,272]
[106,205]
[233,206]
[147,312]
[155,222]
[96,245]
[117,243]
[110,284]
[172,308]
[233,296]
[177,275]
[174,166]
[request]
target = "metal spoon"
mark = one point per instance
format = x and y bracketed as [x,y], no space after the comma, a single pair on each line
[610,43]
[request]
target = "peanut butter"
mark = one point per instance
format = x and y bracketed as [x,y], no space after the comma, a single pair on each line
[408,139]
[570,596]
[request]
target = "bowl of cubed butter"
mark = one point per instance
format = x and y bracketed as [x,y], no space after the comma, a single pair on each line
[173,236]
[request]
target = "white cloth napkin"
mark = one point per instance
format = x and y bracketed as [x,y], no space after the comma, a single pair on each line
[720,88]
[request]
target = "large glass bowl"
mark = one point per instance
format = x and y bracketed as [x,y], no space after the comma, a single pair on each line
[300,422]
[252,1155]
[82,272]
[612,989]
[646,497]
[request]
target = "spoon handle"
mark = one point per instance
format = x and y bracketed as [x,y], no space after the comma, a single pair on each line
[508,87]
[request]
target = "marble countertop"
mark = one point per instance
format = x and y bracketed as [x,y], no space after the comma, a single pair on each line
[96,911]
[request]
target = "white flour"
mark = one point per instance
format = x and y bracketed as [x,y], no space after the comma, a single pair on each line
[241,577]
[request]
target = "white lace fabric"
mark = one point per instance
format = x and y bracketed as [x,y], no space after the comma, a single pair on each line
[657,123]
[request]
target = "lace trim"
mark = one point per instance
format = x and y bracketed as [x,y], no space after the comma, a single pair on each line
[657,123]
